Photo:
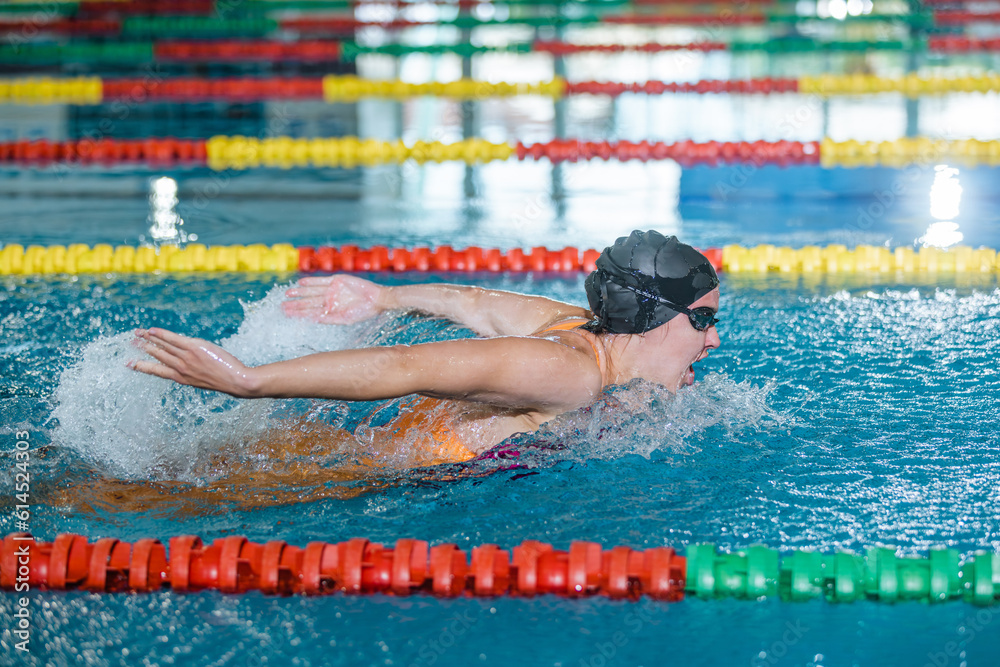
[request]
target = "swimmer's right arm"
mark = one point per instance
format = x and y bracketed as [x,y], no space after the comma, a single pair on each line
[517,372]
[346,299]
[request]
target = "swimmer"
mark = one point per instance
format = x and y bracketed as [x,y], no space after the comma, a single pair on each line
[653,304]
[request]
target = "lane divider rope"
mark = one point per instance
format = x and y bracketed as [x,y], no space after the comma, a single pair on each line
[257,24]
[211,7]
[15,259]
[241,153]
[329,51]
[358,567]
[346,89]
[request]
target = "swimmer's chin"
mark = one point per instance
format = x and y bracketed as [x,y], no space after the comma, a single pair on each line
[687,378]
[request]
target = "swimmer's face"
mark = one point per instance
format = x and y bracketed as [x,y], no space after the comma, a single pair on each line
[671,350]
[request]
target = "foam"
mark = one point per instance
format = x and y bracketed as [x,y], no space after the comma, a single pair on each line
[137,426]
[642,417]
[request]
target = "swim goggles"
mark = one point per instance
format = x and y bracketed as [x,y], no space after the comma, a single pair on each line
[701,318]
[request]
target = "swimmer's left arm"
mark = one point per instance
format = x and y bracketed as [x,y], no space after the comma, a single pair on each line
[531,373]
[488,312]
[342,299]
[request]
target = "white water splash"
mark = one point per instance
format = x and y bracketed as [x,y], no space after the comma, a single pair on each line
[137,426]
[643,417]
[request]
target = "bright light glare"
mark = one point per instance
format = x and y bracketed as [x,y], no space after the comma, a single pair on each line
[946,193]
[941,235]
[855,7]
[165,190]
[838,9]
[162,200]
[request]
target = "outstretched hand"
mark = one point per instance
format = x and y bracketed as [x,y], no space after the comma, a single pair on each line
[191,361]
[336,299]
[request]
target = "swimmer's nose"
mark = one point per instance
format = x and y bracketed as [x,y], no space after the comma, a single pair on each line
[712,340]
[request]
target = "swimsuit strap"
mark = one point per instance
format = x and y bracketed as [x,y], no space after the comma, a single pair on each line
[566,325]
[575,323]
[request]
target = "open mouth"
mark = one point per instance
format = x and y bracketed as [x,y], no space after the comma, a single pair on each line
[689,376]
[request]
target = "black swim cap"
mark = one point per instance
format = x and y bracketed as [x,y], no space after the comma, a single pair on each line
[650,263]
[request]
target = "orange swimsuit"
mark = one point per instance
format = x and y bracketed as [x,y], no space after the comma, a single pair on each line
[445,445]
[424,415]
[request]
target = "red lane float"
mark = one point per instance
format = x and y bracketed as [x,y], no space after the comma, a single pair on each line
[687,153]
[951,44]
[190,89]
[962,16]
[349,258]
[152,151]
[147,7]
[233,50]
[355,567]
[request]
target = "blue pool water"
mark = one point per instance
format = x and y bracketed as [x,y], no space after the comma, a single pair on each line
[838,413]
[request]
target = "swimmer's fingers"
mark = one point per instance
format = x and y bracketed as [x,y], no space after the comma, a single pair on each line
[173,343]
[322,281]
[309,309]
[162,351]
[159,353]
[193,362]
[319,285]
[306,291]
[303,304]
[157,369]
[316,310]
[184,349]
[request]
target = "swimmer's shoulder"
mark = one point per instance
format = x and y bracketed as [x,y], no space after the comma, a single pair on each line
[568,331]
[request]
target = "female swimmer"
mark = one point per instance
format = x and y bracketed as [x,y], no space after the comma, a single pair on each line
[536,359]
